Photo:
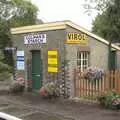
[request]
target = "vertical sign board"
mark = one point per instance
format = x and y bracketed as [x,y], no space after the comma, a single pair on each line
[53,61]
[20,60]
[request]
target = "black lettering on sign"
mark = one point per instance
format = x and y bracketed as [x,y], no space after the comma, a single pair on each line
[75,36]
[69,36]
[52,65]
[84,37]
[79,36]
[52,56]
[72,36]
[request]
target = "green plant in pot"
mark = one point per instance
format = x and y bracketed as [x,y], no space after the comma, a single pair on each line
[110,100]
[49,90]
[17,86]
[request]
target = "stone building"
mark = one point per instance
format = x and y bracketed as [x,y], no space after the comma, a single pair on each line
[44,49]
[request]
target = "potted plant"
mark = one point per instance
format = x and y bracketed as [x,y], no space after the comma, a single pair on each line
[49,90]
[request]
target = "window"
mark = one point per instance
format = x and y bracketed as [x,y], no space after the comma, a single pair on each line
[82,60]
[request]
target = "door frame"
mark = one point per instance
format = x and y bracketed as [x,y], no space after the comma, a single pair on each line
[41,73]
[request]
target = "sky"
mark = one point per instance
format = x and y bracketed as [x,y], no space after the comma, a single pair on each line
[58,10]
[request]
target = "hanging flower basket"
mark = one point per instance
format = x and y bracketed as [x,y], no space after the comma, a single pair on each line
[93,74]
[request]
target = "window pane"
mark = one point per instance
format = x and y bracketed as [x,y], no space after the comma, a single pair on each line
[79,63]
[82,60]
[80,55]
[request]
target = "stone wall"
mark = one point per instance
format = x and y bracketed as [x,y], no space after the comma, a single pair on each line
[55,41]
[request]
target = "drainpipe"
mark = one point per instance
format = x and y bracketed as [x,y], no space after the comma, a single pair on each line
[110,40]
[109,55]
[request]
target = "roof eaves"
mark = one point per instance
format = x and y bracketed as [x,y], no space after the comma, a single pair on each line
[69,23]
[42,27]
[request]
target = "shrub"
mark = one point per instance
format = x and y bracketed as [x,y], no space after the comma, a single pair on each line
[5,76]
[16,87]
[4,69]
[49,90]
[20,80]
[110,100]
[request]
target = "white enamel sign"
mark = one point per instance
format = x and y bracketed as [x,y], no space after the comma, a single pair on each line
[36,38]
[20,60]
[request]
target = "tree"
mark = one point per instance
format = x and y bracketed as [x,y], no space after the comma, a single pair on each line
[17,9]
[7,9]
[4,69]
[5,41]
[107,24]
[14,13]
[98,5]
[5,36]
[28,16]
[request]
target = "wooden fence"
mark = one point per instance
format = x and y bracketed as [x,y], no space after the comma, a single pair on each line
[92,89]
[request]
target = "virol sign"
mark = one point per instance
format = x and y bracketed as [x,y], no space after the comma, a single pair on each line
[77,38]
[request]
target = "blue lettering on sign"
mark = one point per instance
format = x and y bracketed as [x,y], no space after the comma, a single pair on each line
[20,58]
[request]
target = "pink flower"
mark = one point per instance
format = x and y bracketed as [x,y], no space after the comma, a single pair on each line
[116,101]
[43,92]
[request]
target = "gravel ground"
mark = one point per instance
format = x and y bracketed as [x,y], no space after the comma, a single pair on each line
[59,109]
[13,105]
[32,107]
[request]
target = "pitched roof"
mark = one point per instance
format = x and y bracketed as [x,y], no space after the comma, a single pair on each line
[56,26]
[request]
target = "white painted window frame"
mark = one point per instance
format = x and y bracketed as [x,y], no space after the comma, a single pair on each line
[82,57]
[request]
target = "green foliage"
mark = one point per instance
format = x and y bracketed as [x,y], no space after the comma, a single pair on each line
[100,26]
[110,100]
[5,41]
[16,13]
[3,66]
[27,13]
[5,75]
[49,90]
[17,9]
[4,69]
[102,5]
[7,9]
[107,24]
[5,36]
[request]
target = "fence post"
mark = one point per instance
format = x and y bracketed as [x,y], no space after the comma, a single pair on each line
[118,81]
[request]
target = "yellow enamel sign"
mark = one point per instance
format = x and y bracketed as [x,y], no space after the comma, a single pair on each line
[77,38]
[52,69]
[52,52]
[52,61]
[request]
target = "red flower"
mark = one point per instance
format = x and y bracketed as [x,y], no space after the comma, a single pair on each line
[43,92]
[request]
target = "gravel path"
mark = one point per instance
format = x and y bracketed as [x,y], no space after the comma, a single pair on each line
[60,109]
